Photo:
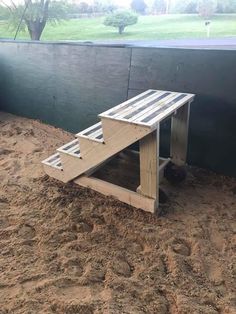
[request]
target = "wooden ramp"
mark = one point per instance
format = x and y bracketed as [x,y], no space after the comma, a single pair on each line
[137,119]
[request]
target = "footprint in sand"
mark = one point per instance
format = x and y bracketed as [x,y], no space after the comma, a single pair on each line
[26,232]
[121,268]
[4,223]
[84,227]
[217,239]
[181,247]
[4,206]
[93,272]
[215,273]
[73,266]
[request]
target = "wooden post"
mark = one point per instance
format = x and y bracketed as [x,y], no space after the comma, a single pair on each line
[179,135]
[149,166]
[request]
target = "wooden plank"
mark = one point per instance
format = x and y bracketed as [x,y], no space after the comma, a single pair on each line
[95,134]
[179,135]
[162,110]
[51,159]
[56,164]
[124,195]
[90,129]
[162,164]
[128,116]
[53,172]
[138,104]
[122,130]
[160,115]
[149,165]
[147,111]
[152,123]
[127,103]
[74,148]
[87,144]
[75,152]
[68,146]
[71,148]
[93,131]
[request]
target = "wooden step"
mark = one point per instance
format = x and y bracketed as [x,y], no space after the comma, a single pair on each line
[53,161]
[90,137]
[70,151]
[93,133]
[147,109]
[72,148]
[53,167]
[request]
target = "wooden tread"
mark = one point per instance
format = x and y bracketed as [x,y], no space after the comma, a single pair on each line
[53,161]
[71,148]
[148,108]
[93,133]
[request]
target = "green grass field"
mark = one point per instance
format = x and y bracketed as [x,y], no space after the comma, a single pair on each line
[148,27]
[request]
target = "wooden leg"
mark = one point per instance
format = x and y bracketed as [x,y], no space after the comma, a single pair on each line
[149,166]
[179,135]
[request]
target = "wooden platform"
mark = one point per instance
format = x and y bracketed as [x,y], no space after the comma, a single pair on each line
[148,108]
[135,120]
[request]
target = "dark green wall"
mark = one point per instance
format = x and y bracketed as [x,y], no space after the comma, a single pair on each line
[209,74]
[64,85]
[67,85]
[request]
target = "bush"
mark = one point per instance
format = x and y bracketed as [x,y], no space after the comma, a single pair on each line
[121,19]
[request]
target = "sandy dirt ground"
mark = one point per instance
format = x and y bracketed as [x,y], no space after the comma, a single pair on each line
[65,249]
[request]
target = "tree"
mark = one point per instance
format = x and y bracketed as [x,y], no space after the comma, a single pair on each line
[34,16]
[226,6]
[191,7]
[83,7]
[138,6]
[186,6]
[207,8]
[120,19]
[159,6]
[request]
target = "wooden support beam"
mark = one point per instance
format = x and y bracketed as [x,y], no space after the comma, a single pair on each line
[118,192]
[149,165]
[179,135]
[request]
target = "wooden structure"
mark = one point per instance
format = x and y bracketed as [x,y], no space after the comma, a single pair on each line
[102,149]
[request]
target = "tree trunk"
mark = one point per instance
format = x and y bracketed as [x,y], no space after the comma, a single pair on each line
[35,34]
[121,29]
[35,29]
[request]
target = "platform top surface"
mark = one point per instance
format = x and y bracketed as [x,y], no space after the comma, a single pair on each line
[148,108]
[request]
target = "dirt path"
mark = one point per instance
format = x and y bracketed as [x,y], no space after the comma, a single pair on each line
[66,249]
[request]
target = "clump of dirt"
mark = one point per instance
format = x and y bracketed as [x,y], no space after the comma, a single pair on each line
[66,249]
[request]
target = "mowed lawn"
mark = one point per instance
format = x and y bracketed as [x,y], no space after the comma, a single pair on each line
[148,27]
